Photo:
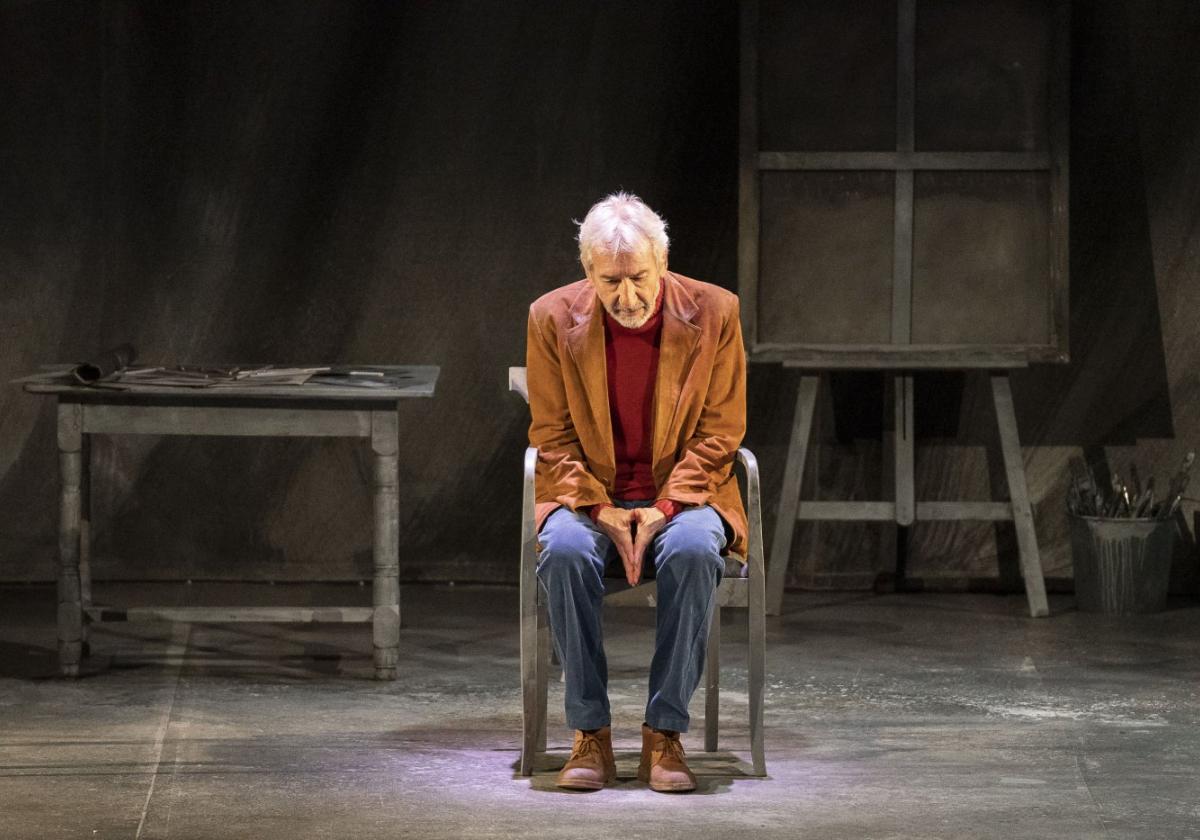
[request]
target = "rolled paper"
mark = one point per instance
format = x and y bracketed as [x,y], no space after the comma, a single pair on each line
[105,364]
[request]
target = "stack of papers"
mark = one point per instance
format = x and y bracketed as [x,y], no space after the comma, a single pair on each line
[196,376]
[189,376]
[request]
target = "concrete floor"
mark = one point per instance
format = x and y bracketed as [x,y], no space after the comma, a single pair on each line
[898,716]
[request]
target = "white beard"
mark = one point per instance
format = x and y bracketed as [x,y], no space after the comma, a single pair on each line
[633,322]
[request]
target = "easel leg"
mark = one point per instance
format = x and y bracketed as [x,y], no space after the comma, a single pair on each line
[789,496]
[85,536]
[886,579]
[70,607]
[1014,468]
[385,589]
[904,437]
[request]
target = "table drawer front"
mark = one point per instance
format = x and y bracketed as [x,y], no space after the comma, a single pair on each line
[113,419]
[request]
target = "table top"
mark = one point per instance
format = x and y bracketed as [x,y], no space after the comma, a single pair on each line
[418,381]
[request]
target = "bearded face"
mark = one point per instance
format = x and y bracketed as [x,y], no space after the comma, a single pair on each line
[627,283]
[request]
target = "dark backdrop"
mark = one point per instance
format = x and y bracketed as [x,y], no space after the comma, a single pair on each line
[395,182]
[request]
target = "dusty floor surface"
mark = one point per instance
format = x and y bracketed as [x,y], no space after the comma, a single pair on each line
[896,716]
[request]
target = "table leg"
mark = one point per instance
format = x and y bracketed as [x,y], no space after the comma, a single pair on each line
[70,608]
[386,587]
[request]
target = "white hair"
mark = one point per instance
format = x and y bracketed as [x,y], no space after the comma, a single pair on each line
[621,223]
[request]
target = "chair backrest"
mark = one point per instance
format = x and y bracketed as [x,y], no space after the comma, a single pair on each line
[518,382]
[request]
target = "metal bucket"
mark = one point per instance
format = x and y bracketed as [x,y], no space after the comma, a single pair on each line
[1121,565]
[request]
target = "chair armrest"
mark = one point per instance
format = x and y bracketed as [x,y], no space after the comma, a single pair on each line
[527,485]
[749,464]
[531,458]
[755,558]
[528,512]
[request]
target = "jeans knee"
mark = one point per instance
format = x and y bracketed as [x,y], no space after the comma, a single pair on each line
[691,543]
[689,552]
[557,560]
[566,551]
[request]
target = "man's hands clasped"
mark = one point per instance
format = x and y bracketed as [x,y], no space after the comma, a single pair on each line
[631,530]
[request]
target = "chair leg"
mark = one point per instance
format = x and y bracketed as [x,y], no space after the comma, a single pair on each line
[533,662]
[531,668]
[543,675]
[757,600]
[529,688]
[758,668]
[712,683]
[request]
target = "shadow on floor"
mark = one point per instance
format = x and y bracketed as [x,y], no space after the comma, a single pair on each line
[715,772]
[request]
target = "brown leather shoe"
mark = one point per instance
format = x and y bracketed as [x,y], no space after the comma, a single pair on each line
[592,764]
[662,762]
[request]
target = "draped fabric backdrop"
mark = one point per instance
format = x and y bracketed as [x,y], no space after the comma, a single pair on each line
[393,182]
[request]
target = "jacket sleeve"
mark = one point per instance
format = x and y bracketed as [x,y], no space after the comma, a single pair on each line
[562,473]
[706,460]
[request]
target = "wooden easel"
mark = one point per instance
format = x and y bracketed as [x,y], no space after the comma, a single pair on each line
[790,198]
[905,509]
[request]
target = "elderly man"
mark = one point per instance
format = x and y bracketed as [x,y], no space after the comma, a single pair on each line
[637,389]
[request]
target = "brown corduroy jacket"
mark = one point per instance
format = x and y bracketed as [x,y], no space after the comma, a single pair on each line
[699,400]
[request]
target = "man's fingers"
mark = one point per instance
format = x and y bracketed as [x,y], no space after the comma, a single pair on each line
[624,542]
[639,549]
[631,561]
[624,548]
[626,553]
[631,548]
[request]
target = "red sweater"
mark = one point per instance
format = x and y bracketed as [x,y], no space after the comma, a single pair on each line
[631,360]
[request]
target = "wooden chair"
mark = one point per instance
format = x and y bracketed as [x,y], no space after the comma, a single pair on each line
[742,586]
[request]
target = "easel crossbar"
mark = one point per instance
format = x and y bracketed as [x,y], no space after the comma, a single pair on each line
[886,511]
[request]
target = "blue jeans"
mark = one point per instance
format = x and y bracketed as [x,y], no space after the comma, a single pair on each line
[688,567]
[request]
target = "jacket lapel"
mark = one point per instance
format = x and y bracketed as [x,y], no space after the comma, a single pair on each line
[585,340]
[679,338]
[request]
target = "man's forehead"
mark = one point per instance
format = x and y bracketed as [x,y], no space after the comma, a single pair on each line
[625,262]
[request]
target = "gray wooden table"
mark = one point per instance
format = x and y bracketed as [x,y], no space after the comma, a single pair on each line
[309,410]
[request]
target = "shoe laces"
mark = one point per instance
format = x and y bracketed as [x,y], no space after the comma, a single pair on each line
[586,745]
[673,747]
